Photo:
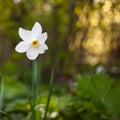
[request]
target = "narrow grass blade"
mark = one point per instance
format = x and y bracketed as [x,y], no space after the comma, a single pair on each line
[49,95]
[1,92]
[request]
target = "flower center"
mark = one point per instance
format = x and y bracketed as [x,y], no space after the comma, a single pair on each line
[35,43]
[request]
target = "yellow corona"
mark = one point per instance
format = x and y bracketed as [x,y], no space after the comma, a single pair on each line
[35,43]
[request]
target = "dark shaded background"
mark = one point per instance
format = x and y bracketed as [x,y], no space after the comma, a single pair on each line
[80,33]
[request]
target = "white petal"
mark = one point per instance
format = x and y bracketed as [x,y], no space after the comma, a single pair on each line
[22,47]
[25,35]
[40,50]
[37,29]
[32,53]
[44,46]
[42,38]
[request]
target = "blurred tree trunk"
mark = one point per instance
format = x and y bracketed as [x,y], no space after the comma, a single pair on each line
[84,31]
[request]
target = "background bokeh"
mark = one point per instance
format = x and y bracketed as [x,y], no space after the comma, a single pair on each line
[84,46]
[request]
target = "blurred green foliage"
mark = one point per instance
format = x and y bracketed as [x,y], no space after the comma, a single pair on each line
[94,97]
[91,97]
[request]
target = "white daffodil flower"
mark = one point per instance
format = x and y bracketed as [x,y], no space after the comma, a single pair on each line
[33,41]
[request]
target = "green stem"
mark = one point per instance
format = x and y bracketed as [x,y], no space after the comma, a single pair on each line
[34,88]
[49,95]
[39,74]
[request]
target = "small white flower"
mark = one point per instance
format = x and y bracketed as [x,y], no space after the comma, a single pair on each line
[33,41]
[100,69]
